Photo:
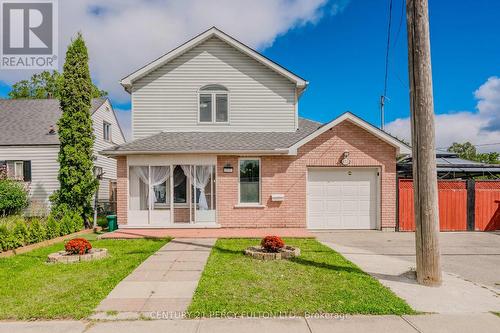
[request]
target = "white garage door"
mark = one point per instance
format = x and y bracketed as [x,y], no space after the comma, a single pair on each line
[342,198]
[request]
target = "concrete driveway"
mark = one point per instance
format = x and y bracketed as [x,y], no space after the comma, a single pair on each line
[475,256]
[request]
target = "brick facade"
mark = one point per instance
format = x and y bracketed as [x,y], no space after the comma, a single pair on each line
[287,175]
[121,189]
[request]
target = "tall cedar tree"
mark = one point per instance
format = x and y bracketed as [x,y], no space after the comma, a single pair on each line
[76,178]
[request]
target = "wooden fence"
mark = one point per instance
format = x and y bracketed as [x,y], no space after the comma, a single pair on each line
[463,205]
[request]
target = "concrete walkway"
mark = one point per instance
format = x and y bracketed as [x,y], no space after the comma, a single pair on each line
[484,323]
[454,296]
[165,282]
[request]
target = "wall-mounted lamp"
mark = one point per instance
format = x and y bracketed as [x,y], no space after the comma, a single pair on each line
[227,168]
[345,158]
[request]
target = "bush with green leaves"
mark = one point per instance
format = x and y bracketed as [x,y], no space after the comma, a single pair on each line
[13,197]
[17,231]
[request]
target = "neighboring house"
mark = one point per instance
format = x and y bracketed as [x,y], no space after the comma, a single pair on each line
[218,142]
[29,144]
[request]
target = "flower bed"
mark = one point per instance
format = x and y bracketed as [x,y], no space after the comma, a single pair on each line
[272,248]
[77,249]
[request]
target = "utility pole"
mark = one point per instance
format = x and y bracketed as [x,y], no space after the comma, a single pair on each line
[423,144]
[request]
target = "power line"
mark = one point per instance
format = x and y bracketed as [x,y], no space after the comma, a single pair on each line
[478,145]
[400,24]
[383,97]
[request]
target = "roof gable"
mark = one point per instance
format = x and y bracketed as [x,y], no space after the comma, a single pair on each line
[401,147]
[127,81]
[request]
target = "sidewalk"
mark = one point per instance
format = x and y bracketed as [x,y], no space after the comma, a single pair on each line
[454,296]
[165,282]
[453,323]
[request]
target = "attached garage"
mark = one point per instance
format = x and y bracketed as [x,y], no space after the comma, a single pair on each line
[343,198]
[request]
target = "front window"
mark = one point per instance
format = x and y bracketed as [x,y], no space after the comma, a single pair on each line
[249,181]
[213,104]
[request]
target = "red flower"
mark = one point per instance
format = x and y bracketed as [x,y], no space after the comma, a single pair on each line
[272,243]
[78,246]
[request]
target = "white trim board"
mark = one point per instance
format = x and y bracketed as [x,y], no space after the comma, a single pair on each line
[127,81]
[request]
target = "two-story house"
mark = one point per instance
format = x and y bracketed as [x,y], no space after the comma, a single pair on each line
[218,142]
[29,145]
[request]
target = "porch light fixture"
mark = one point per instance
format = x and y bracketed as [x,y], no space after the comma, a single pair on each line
[345,158]
[228,168]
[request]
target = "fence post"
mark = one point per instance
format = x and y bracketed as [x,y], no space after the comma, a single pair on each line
[471,204]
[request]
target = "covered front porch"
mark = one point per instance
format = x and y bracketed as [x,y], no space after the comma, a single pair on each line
[172,191]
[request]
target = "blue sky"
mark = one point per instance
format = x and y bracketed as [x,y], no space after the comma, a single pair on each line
[337,45]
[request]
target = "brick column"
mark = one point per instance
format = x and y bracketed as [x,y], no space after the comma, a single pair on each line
[121,189]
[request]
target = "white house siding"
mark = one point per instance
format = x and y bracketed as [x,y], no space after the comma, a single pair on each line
[167,99]
[105,114]
[44,168]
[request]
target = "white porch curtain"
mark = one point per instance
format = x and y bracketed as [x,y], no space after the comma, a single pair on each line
[159,175]
[200,179]
[142,172]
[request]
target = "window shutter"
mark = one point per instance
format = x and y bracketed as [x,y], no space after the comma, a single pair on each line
[27,171]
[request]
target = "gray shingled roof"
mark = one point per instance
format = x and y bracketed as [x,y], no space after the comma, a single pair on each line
[218,141]
[27,121]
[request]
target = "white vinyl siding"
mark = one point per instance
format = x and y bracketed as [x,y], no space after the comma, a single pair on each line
[167,98]
[44,165]
[44,168]
[105,114]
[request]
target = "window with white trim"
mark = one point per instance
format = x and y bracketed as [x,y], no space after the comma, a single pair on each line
[19,170]
[106,130]
[249,181]
[213,104]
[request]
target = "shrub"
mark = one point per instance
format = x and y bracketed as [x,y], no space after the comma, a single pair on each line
[70,220]
[272,243]
[13,197]
[102,221]
[20,233]
[37,231]
[78,246]
[6,238]
[52,228]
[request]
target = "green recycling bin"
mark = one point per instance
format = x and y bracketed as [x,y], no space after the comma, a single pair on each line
[112,223]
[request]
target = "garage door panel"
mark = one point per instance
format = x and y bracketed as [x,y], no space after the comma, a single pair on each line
[332,190]
[342,198]
[316,206]
[333,206]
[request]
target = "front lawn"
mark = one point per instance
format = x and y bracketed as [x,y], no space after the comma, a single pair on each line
[319,281]
[32,289]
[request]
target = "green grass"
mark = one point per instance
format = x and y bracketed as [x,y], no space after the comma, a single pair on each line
[319,281]
[32,289]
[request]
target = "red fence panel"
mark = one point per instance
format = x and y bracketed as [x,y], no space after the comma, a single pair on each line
[452,200]
[487,208]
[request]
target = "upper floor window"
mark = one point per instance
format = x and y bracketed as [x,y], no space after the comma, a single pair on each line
[213,104]
[106,130]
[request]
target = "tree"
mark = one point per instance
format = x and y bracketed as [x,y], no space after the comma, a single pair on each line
[45,85]
[464,150]
[468,151]
[76,178]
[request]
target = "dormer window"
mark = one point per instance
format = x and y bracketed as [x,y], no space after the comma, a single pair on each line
[213,104]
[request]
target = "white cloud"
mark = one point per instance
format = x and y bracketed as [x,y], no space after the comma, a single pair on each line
[480,127]
[123,35]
